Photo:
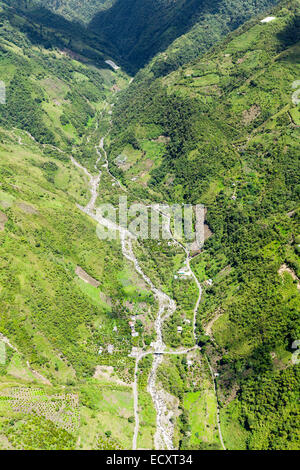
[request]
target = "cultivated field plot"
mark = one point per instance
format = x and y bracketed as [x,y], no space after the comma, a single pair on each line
[63,410]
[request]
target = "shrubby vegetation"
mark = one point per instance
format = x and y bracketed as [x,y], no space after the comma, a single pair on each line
[57,322]
[43,27]
[33,432]
[76,9]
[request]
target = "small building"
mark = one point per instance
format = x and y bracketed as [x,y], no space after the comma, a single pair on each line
[268,19]
[181,272]
[134,352]
[179,329]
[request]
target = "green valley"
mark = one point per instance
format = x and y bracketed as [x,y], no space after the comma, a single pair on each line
[131,342]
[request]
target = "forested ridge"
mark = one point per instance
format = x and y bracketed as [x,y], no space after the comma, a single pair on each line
[49,29]
[80,10]
[140,30]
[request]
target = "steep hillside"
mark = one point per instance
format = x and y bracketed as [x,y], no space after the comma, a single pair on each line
[62,290]
[141,29]
[99,335]
[224,131]
[83,10]
[52,110]
[50,30]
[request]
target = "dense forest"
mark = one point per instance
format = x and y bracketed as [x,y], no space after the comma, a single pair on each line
[142,29]
[82,10]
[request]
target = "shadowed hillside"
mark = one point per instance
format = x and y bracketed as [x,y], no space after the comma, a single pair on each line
[45,28]
[141,29]
[83,10]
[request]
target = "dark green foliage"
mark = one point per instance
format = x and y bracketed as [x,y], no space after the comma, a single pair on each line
[264,403]
[43,27]
[141,29]
[34,433]
[23,109]
[82,10]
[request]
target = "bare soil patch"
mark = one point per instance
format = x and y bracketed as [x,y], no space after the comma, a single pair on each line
[86,277]
[27,208]
[106,373]
[251,114]
[207,232]
[209,326]
[162,139]
[285,269]
[3,220]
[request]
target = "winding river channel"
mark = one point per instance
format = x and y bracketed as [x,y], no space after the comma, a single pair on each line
[163,439]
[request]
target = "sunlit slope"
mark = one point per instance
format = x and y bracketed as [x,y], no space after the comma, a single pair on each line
[224,131]
[201,110]
[62,290]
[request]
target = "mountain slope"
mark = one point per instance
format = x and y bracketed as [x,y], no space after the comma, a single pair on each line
[58,302]
[224,131]
[83,10]
[141,29]
[43,27]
